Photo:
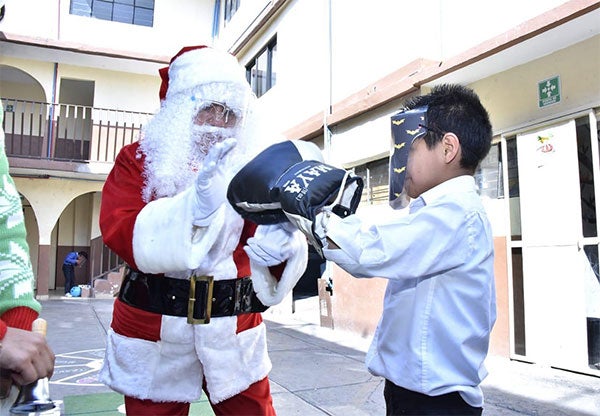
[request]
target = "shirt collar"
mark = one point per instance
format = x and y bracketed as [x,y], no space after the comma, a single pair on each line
[464,183]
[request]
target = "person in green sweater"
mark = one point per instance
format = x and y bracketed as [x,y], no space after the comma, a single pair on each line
[25,356]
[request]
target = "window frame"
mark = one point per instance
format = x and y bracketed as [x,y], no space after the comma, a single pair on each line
[230,7]
[85,8]
[269,49]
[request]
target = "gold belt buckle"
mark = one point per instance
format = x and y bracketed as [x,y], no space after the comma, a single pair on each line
[192,299]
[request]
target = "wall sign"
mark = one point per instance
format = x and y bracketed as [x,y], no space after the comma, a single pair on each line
[549,91]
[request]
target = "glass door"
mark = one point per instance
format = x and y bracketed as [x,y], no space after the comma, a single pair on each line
[552,179]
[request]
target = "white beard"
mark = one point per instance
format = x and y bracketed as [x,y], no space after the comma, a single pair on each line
[204,137]
[174,149]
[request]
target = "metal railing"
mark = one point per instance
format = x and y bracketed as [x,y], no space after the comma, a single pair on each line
[68,132]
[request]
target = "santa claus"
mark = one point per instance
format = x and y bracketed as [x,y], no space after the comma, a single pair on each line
[187,317]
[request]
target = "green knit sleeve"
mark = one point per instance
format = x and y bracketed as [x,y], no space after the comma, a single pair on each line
[16,274]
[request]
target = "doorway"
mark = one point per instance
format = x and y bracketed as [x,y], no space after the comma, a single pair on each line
[553,178]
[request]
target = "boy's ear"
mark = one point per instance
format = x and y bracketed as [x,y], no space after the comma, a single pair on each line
[450,146]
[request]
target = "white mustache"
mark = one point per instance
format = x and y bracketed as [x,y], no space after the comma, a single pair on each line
[204,137]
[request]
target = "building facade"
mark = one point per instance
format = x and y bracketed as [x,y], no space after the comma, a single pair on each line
[79,80]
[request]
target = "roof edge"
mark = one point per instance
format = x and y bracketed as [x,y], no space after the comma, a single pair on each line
[388,88]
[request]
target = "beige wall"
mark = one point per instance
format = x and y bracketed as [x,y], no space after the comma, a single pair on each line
[116,90]
[50,197]
[511,96]
[41,72]
[75,220]
[95,215]
[31,92]
[120,90]
[77,223]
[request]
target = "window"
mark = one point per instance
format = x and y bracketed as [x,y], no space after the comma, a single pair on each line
[260,72]
[488,175]
[375,177]
[137,12]
[231,6]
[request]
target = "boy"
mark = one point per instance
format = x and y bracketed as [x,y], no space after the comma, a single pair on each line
[439,305]
[74,258]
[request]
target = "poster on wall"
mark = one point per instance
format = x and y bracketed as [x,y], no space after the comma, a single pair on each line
[549,91]
[549,185]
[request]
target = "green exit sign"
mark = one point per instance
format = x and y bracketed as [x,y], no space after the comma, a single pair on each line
[548,91]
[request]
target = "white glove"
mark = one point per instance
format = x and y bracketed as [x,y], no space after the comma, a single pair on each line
[271,244]
[211,183]
[320,228]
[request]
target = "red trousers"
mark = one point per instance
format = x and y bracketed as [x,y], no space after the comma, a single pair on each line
[255,400]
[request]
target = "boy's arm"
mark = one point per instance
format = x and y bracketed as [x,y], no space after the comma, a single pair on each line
[401,247]
[71,259]
[331,245]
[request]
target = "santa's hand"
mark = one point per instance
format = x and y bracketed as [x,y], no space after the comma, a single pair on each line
[271,245]
[211,183]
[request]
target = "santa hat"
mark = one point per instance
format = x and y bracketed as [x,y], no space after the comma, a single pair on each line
[199,65]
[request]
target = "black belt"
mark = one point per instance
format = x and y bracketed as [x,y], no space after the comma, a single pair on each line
[181,297]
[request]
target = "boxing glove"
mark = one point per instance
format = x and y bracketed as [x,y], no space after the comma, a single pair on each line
[289,181]
[249,192]
[309,188]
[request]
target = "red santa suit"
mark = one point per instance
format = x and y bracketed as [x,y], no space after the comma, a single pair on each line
[162,358]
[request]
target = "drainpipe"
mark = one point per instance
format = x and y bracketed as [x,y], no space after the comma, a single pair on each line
[58,22]
[327,274]
[328,110]
[53,103]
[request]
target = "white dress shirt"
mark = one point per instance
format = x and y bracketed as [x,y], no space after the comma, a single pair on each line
[440,302]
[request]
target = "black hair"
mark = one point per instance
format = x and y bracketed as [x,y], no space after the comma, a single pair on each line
[83,253]
[457,109]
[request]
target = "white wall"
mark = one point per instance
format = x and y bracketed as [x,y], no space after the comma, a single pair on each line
[34,18]
[302,76]
[372,39]
[177,23]
[510,97]
[369,41]
[230,32]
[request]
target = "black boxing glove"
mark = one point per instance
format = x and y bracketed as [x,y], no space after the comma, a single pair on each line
[249,192]
[289,181]
[310,187]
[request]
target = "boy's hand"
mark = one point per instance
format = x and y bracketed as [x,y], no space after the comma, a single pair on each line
[310,192]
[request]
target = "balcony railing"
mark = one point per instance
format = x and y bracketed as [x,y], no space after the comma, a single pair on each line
[68,132]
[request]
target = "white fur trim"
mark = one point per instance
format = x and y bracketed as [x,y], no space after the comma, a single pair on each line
[267,288]
[204,66]
[172,369]
[232,362]
[164,239]
[308,150]
[137,368]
